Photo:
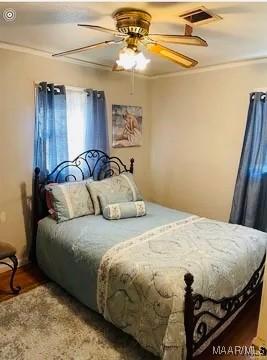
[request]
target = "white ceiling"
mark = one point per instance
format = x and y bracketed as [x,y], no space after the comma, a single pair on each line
[51,27]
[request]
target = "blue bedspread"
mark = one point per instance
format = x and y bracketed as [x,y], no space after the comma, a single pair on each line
[70,252]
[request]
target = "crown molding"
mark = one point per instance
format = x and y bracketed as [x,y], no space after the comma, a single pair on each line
[86,63]
[203,69]
[68,59]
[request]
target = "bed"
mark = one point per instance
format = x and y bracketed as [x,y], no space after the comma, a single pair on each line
[172,280]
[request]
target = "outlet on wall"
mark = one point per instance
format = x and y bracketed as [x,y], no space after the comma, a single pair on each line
[2,217]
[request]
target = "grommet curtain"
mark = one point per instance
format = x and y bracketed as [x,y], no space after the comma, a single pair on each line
[249,206]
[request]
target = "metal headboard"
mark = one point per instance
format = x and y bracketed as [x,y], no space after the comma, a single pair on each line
[93,163]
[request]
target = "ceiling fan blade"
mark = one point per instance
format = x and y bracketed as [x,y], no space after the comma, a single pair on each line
[84,48]
[172,55]
[179,39]
[103,29]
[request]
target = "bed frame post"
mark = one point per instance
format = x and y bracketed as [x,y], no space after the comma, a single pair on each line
[131,165]
[35,212]
[189,315]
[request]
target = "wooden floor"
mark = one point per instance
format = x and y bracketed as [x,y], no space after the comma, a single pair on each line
[27,277]
[240,333]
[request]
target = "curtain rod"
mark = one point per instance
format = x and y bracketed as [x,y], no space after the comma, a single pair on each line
[37,85]
[77,88]
[263,96]
[73,88]
[57,89]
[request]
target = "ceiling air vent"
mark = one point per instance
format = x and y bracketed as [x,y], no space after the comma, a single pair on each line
[198,16]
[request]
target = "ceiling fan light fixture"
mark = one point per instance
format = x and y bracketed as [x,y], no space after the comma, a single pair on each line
[126,58]
[130,59]
[141,61]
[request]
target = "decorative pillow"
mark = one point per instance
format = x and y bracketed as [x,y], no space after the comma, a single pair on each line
[49,204]
[124,210]
[70,200]
[116,189]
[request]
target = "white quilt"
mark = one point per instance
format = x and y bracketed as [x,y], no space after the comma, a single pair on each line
[141,280]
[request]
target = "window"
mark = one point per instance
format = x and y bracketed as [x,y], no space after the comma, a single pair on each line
[76,121]
[68,122]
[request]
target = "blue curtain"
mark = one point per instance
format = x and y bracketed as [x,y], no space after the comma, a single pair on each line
[96,135]
[51,145]
[249,206]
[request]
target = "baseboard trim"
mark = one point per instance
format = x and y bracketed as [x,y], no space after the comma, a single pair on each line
[21,262]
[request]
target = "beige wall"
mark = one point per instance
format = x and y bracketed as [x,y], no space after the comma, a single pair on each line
[198,123]
[19,71]
[193,132]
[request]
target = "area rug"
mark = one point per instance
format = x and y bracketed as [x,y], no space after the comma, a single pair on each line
[46,323]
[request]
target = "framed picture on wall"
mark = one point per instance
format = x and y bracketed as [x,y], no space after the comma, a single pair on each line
[126,126]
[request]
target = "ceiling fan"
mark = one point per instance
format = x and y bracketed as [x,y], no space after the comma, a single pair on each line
[132,30]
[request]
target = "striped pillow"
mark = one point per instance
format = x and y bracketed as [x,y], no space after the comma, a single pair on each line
[70,199]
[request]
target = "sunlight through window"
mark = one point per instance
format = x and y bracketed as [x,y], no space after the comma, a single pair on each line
[76,121]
